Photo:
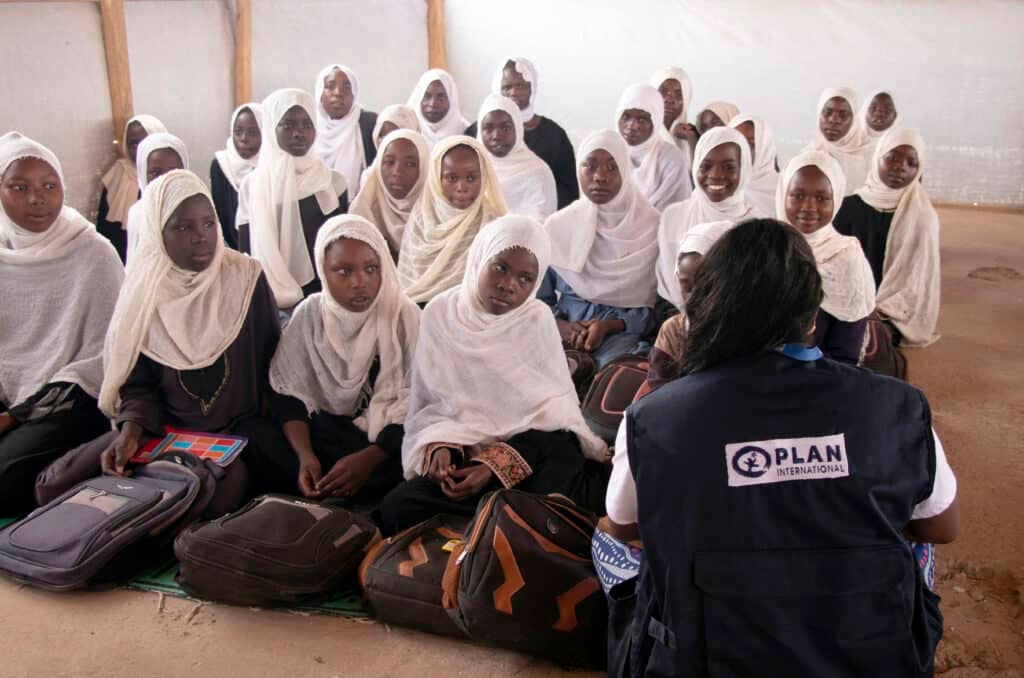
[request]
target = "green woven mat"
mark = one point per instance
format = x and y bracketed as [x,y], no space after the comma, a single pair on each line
[160,577]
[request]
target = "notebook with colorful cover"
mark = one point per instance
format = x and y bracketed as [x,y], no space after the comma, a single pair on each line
[221,449]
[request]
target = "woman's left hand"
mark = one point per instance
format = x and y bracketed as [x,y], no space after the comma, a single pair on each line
[463,483]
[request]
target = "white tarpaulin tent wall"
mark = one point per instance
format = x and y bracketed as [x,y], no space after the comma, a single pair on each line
[956,68]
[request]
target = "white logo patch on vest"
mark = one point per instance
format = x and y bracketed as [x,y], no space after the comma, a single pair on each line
[776,461]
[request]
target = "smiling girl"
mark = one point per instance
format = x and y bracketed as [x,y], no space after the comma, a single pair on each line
[721,172]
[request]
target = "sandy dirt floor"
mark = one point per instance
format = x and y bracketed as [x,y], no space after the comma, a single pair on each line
[973,377]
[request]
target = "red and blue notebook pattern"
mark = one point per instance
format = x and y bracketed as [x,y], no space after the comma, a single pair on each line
[221,449]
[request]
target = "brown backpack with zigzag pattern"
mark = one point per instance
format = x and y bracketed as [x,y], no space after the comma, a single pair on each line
[401,575]
[523,579]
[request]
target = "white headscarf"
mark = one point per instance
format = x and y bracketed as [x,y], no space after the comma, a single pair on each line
[269,201]
[846,278]
[339,143]
[148,146]
[606,253]
[438,236]
[326,352]
[479,378]
[525,68]
[181,319]
[853,151]
[911,278]
[57,296]
[701,237]
[699,240]
[678,219]
[659,168]
[122,178]
[377,205]
[866,106]
[397,114]
[453,122]
[234,166]
[151,144]
[679,75]
[526,181]
[764,178]
[723,109]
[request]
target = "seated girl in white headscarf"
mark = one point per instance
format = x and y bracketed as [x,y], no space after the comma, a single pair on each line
[344,130]
[435,98]
[604,248]
[287,198]
[121,183]
[721,173]
[898,227]
[517,80]
[462,194]
[808,199]
[660,170]
[341,372]
[393,185]
[189,344]
[158,154]
[233,163]
[841,135]
[526,181]
[60,282]
[492,403]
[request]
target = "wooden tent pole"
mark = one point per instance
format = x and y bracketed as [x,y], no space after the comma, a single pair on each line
[243,52]
[436,54]
[119,79]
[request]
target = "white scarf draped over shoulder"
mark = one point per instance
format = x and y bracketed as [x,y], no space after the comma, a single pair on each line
[399,115]
[764,178]
[58,294]
[678,219]
[122,178]
[438,235]
[376,204]
[479,378]
[339,143]
[846,279]
[326,352]
[234,166]
[527,182]
[525,68]
[269,201]
[607,253]
[659,169]
[148,146]
[909,291]
[853,151]
[453,122]
[179,318]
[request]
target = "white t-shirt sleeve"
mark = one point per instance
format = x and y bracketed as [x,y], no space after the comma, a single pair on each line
[943,490]
[620,500]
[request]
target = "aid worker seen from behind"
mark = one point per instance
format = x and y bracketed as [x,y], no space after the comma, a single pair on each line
[777,491]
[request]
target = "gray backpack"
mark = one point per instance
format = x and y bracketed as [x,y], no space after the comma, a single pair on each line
[72,541]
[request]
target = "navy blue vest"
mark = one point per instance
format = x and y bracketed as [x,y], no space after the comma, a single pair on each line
[772,492]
